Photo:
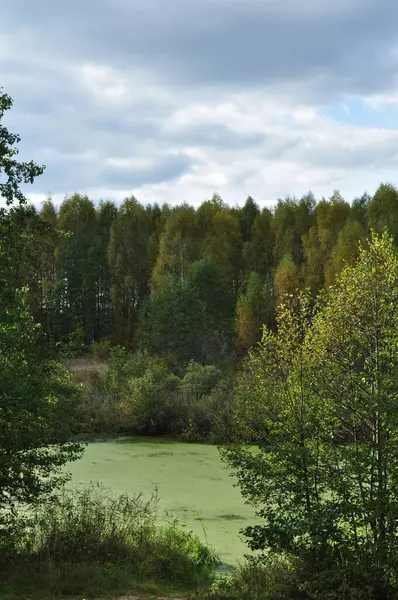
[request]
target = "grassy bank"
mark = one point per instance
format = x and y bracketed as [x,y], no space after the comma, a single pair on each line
[89,544]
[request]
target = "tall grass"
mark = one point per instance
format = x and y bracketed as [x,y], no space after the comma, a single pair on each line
[274,577]
[86,542]
[257,579]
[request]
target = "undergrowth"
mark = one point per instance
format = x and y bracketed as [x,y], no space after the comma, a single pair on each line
[281,578]
[88,543]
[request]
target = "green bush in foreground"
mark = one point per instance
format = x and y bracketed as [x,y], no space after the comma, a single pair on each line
[256,579]
[88,542]
[280,578]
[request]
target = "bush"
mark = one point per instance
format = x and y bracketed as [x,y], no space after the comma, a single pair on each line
[74,345]
[149,405]
[280,578]
[257,579]
[107,395]
[100,350]
[199,380]
[207,417]
[92,533]
[137,393]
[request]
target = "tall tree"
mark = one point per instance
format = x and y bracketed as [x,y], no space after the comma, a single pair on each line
[247,215]
[319,399]
[35,395]
[287,279]
[383,210]
[314,261]
[190,319]
[219,237]
[103,323]
[77,265]
[171,321]
[292,219]
[330,218]
[128,260]
[318,243]
[359,210]
[178,245]
[216,329]
[48,272]
[346,250]
[258,252]
[254,310]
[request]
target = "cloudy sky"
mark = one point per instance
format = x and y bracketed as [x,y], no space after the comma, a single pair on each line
[173,100]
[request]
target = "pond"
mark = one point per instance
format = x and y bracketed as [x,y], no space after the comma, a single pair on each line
[193,485]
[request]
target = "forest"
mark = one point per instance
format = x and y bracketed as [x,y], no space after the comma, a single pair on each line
[194,283]
[271,332]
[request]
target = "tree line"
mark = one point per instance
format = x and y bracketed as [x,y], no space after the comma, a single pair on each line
[120,272]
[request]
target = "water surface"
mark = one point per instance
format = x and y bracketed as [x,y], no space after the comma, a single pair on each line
[192,482]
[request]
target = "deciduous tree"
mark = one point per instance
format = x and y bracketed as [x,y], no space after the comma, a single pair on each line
[319,399]
[36,397]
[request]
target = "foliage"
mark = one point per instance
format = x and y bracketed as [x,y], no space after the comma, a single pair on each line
[191,318]
[286,578]
[382,210]
[258,250]
[346,250]
[292,219]
[205,281]
[91,533]
[170,321]
[74,345]
[129,265]
[178,245]
[287,279]
[199,380]
[15,172]
[75,262]
[148,405]
[37,398]
[100,350]
[106,266]
[253,310]
[138,393]
[319,399]
[257,579]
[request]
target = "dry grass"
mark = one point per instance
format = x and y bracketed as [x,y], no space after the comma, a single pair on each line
[84,366]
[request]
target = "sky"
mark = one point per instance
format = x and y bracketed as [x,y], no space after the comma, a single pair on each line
[175,100]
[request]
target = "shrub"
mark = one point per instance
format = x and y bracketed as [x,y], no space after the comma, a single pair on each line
[149,403]
[98,537]
[138,393]
[281,578]
[257,579]
[107,396]
[100,350]
[74,345]
[200,379]
[207,417]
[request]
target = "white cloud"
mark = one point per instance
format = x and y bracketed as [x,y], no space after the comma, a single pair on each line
[172,102]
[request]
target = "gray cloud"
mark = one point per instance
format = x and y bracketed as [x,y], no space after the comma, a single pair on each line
[95,80]
[166,169]
[241,42]
[216,136]
[74,173]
